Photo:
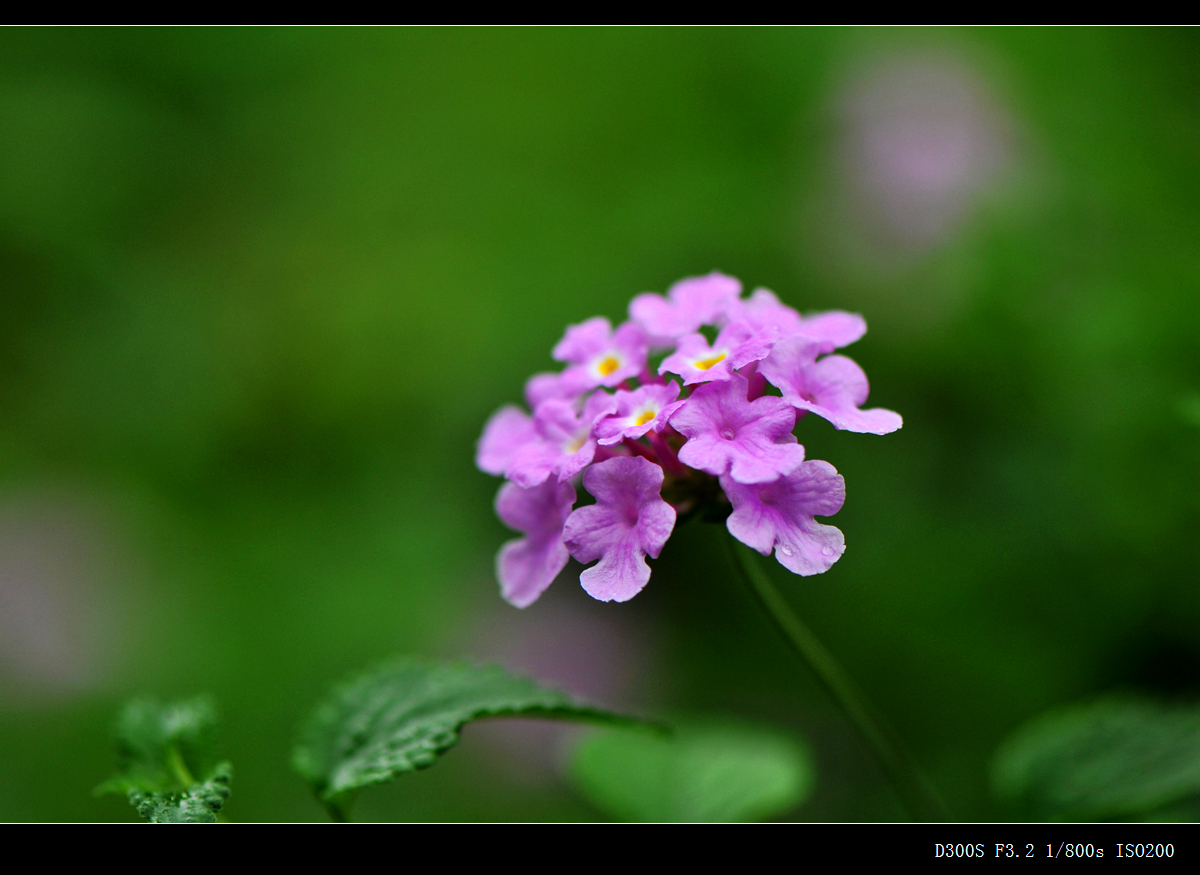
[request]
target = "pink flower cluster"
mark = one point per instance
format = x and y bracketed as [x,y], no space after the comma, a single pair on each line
[651,448]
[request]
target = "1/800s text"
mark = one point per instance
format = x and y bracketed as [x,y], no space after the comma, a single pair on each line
[1062,850]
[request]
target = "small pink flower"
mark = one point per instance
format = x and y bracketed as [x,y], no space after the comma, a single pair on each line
[834,329]
[779,516]
[638,412]
[830,330]
[763,309]
[544,387]
[750,441]
[508,430]
[628,522]
[833,387]
[690,303]
[735,347]
[564,444]
[600,356]
[526,566]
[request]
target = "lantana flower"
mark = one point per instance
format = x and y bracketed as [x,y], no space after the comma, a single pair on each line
[526,566]
[600,356]
[833,387]
[564,444]
[545,387]
[831,330]
[779,516]
[638,412]
[650,452]
[751,441]
[735,347]
[628,522]
[508,430]
[689,304]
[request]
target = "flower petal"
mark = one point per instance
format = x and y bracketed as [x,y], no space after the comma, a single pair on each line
[526,566]
[620,574]
[779,516]
[626,419]
[628,520]
[508,429]
[582,341]
[690,303]
[751,441]
[833,329]
[543,387]
[832,387]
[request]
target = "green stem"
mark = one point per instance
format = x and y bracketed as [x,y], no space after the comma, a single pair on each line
[915,790]
[179,767]
[183,774]
[339,807]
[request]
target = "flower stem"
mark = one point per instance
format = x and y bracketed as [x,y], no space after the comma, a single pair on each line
[914,789]
[182,774]
[179,767]
[339,807]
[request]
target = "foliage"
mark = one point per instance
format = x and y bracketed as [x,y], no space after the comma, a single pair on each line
[403,715]
[703,772]
[1111,758]
[200,803]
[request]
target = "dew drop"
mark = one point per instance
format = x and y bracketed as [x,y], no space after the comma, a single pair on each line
[826,551]
[727,433]
[785,549]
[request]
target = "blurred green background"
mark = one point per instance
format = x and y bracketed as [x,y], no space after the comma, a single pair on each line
[260,289]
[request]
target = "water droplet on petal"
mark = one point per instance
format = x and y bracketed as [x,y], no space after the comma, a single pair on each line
[727,433]
[785,549]
[826,551]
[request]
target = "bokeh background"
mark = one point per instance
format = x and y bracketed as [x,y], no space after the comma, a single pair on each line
[260,289]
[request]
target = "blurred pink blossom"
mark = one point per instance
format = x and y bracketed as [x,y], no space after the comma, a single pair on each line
[58,603]
[922,136]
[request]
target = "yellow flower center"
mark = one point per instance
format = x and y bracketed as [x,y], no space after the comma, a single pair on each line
[645,417]
[705,364]
[607,365]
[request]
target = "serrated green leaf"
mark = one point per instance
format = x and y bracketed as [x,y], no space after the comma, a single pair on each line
[1116,757]
[403,715]
[160,748]
[705,772]
[200,803]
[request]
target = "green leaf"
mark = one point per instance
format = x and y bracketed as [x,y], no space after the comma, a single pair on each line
[161,747]
[705,772]
[403,715]
[200,803]
[1112,758]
